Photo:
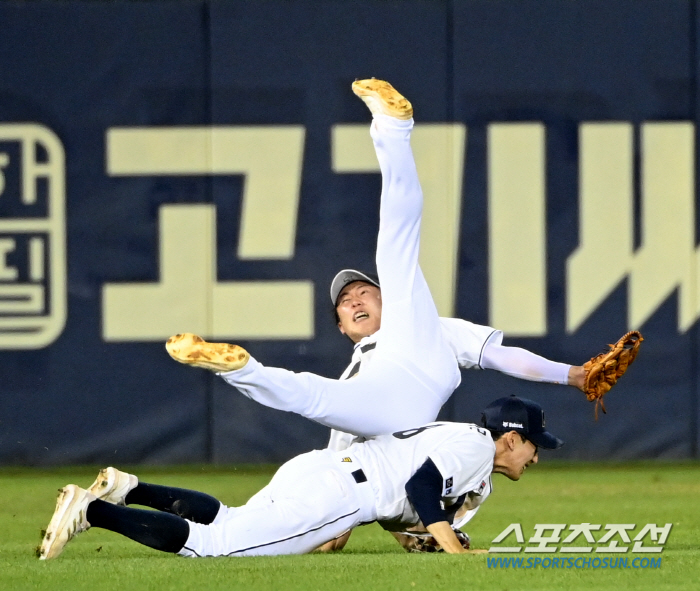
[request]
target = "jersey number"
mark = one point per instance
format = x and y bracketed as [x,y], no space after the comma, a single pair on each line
[412,432]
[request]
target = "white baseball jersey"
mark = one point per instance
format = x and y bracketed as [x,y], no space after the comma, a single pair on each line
[466,340]
[318,496]
[462,452]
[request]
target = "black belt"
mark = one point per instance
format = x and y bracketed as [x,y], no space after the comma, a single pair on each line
[359,476]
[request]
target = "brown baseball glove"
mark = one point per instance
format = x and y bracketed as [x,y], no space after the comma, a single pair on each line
[419,543]
[603,371]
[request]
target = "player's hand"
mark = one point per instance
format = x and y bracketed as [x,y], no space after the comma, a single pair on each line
[448,539]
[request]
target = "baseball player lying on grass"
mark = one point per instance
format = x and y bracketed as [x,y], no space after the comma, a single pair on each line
[398,479]
[415,359]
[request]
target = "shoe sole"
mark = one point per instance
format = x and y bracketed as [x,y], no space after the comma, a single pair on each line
[193,350]
[58,522]
[393,103]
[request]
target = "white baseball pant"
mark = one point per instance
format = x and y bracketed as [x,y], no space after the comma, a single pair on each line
[413,371]
[311,499]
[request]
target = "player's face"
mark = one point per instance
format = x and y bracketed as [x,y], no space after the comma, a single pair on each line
[519,455]
[359,308]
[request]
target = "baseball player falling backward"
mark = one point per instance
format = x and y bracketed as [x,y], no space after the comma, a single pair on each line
[410,367]
[397,479]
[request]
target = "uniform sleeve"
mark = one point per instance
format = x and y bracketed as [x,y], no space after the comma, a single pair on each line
[424,490]
[521,363]
[465,472]
[467,340]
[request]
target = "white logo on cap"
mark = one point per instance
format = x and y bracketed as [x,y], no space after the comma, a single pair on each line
[516,425]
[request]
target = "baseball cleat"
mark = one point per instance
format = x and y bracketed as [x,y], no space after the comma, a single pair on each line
[113,485]
[382,98]
[68,521]
[193,350]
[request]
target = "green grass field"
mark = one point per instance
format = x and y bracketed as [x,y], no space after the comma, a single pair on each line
[550,493]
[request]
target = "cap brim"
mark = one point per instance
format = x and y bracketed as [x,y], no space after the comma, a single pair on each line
[545,440]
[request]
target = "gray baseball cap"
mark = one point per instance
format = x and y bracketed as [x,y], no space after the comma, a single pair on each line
[521,415]
[348,276]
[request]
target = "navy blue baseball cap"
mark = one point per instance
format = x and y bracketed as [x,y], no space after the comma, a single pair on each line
[349,276]
[521,415]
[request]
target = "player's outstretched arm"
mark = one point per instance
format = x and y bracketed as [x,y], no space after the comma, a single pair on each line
[479,346]
[594,378]
[525,365]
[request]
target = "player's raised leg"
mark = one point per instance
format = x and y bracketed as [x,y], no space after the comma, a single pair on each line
[366,406]
[414,371]
[410,330]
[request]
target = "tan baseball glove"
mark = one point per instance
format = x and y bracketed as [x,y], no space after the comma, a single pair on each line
[603,371]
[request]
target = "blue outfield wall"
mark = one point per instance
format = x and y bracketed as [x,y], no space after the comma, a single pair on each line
[204,167]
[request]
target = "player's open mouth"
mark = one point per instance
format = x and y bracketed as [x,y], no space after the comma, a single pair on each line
[360,316]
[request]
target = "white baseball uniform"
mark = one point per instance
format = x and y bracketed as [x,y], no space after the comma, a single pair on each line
[413,370]
[475,347]
[465,339]
[319,495]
